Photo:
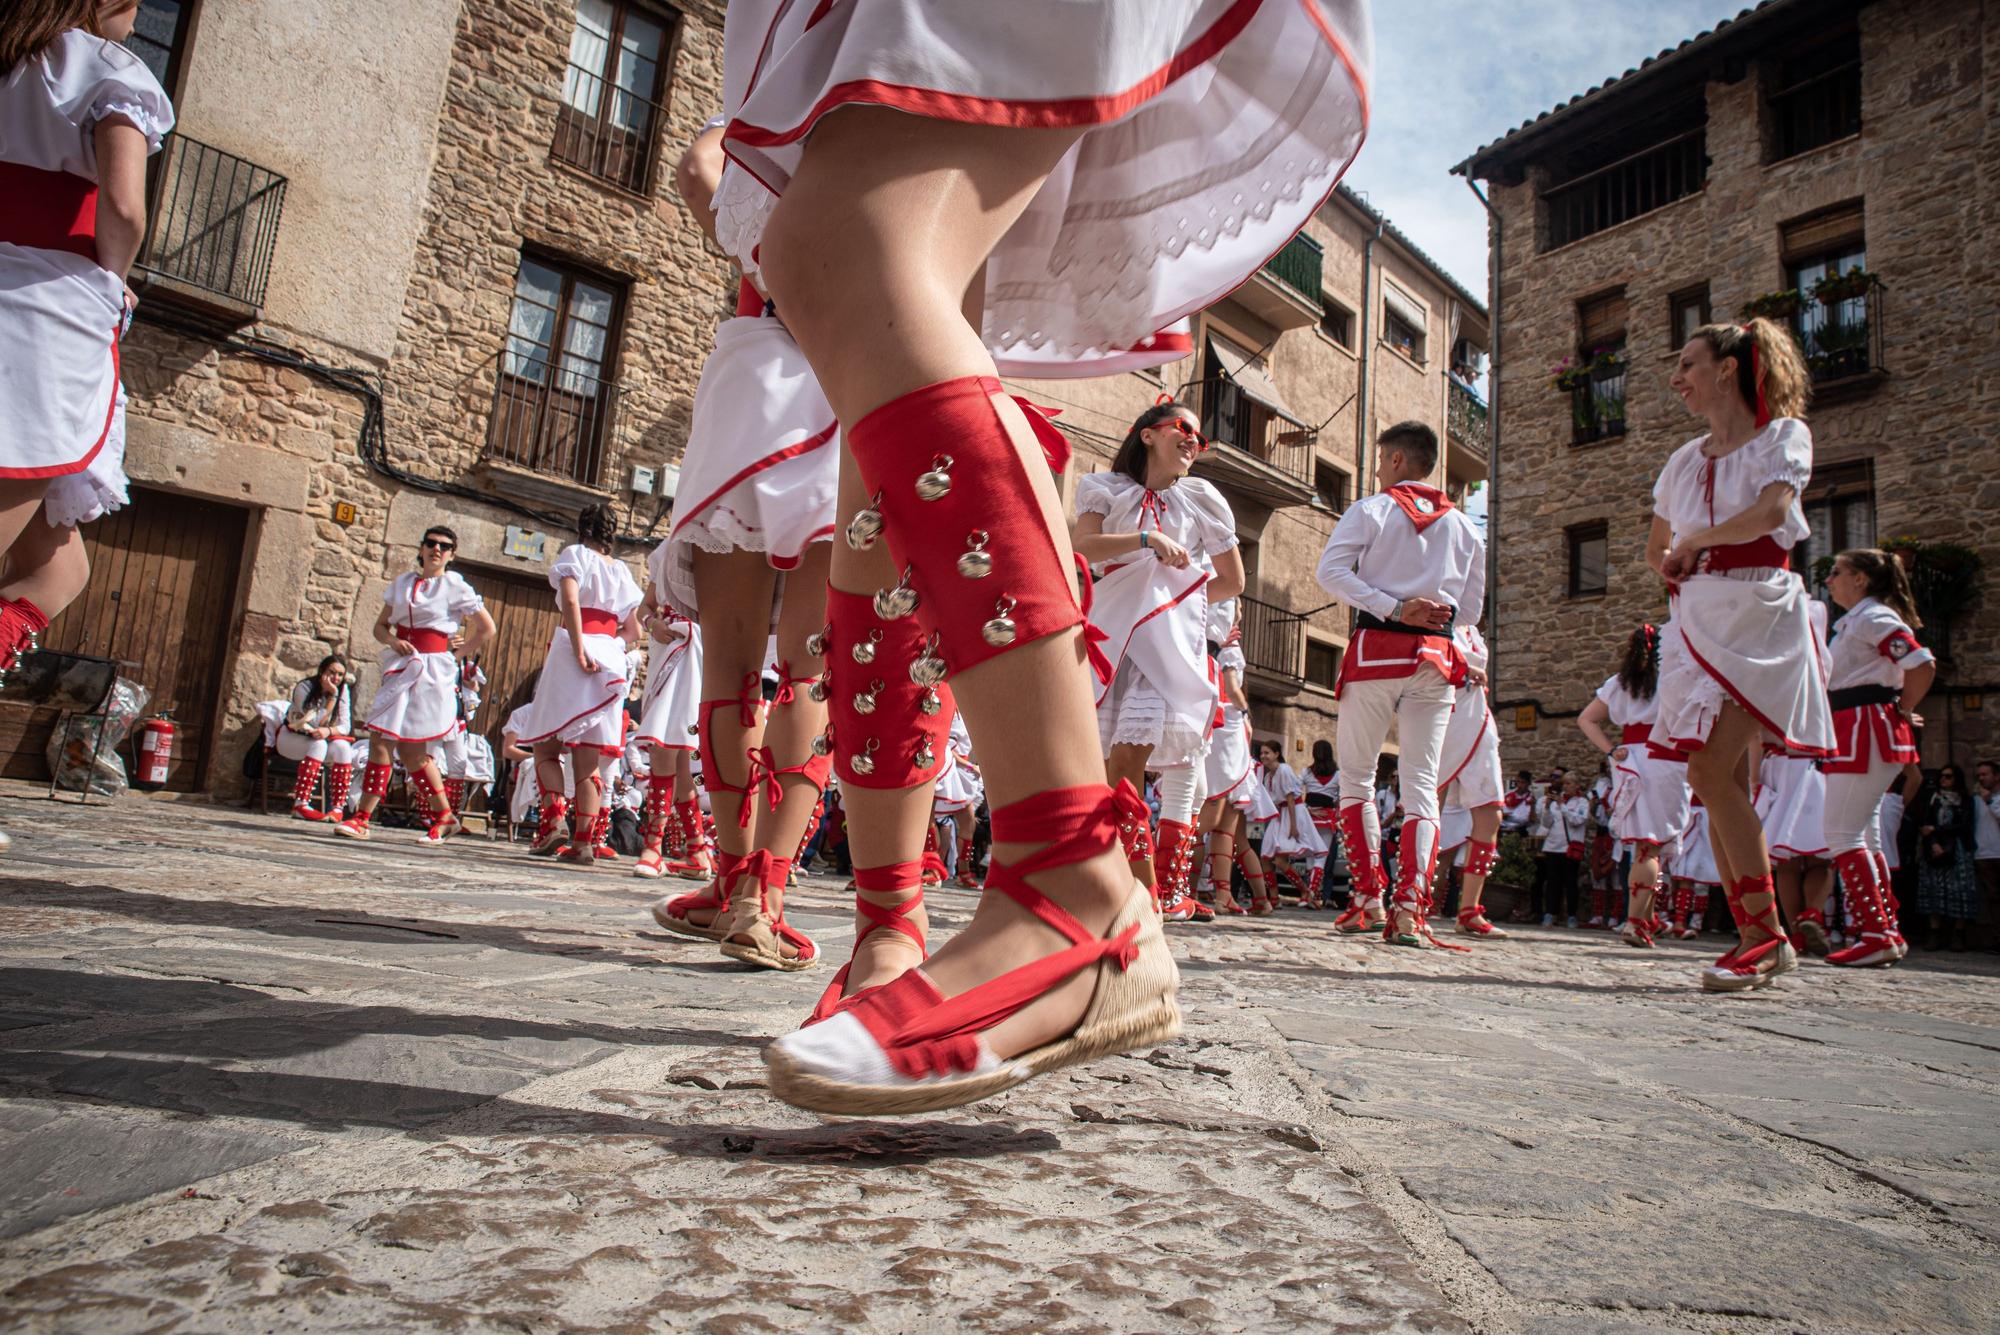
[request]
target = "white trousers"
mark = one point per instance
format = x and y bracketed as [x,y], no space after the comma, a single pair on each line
[1180,793]
[1420,707]
[329,750]
[1853,808]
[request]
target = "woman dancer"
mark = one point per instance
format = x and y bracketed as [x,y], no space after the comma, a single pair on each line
[1163,545]
[81,116]
[1649,800]
[579,703]
[1880,674]
[319,732]
[1742,662]
[1289,837]
[429,615]
[918,207]
[1320,784]
[669,725]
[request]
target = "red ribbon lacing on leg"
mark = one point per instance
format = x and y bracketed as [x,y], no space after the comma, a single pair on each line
[924,1033]
[1094,639]
[767,870]
[1738,960]
[716,895]
[895,878]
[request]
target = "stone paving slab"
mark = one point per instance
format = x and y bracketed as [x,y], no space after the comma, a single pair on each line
[307,1084]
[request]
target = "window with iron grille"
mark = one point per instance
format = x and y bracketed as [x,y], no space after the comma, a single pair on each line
[1839,504]
[1598,404]
[612,91]
[1589,558]
[1816,94]
[1833,332]
[555,391]
[1646,165]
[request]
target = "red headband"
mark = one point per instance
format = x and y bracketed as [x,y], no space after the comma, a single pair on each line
[1757,379]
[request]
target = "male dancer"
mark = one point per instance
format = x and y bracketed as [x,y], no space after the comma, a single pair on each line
[1412,566]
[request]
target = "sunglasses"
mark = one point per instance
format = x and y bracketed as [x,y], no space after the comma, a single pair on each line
[437,545]
[1187,428]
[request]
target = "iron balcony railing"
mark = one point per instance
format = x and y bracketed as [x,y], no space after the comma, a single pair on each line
[1232,420]
[606,130]
[1635,184]
[550,418]
[211,221]
[1297,266]
[1273,639]
[1467,417]
[1842,340]
[1597,407]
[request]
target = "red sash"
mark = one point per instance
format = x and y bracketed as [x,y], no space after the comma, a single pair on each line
[45,210]
[1763,554]
[425,641]
[597,621]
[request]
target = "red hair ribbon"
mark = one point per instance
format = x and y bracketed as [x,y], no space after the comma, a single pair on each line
[1163,398]
[1757,379]
[1652,634]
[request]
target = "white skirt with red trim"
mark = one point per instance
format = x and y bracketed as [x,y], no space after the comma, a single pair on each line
[1454,828]
[1795,825]
[1469,766]
[418,698]
[1868,733]
[1291,835]
[1226,767]
[1693,859]
[1161,693]
[1649,799]
[958,789]
[574,706]
[670,708]
[59,319]
[763,456]
[1213,130]
[83,497]
[1745,636]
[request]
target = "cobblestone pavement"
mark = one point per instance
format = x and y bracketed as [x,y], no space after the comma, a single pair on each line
[254,1078]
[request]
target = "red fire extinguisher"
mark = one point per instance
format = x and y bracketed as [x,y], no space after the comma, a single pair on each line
[156,751]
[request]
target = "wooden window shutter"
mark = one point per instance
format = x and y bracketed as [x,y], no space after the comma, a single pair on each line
[1601,319]
[1828,230]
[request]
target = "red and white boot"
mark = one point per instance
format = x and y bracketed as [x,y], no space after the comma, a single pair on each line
[375,784]
[339,779]
[698,861]
[1364,912]
[1875,942]
[660,822]
[21,626]
[302,791]
[1170,874]
[968,875]
[1480,859]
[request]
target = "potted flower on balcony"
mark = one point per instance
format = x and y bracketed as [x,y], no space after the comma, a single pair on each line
[1567,375]
[1838,287]
[1607,364]
[1773,305]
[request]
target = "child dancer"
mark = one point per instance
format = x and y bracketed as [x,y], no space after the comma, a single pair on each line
[579,703]
[1320,783]
[1470,780]
[1742,662]
[1412,566]
[1649,801]
[1880,674]
[1290,839]
[429,615]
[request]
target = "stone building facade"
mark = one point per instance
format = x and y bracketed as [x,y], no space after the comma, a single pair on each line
[423,263]
[1742,168]
[1348,330]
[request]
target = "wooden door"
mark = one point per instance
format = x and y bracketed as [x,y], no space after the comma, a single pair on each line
[162,600]
[524,613]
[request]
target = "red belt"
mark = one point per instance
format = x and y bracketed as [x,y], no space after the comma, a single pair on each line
[1763,554]
[1635,734]
[45,210]
[425,641]
[749,301]
[597,621]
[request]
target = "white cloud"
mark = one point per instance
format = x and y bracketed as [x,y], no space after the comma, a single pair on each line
[1451,77]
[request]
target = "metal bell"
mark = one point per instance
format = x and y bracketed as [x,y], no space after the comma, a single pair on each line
[823,744]
[897,602]
[925,757]
[865,762]
[816,642]
[693,731]
[864,650]
[866,526]
[927,671]
[864,703]
[817,691]
[974,563]
[929,703]
[1000,630]
[936,484]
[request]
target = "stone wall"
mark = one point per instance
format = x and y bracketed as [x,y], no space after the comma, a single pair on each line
[1926,169]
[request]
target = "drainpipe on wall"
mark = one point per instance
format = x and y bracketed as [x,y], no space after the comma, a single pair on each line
[1365,414]
[1492,433]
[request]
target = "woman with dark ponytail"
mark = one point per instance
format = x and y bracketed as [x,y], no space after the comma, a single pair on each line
[1649,793]
[1740,663]
[1879,676]
[579,702]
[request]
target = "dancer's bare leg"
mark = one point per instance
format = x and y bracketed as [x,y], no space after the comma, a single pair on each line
[1719,775]
[20,500]
[1219,843]
[869,253]
[46,565]
[734,590]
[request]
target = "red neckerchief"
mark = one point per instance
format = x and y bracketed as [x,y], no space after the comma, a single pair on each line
[1425,505]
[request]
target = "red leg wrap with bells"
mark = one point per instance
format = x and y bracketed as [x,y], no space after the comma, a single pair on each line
[956,504]
[888,707]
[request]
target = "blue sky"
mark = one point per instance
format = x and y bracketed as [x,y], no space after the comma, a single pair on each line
[1450,77]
